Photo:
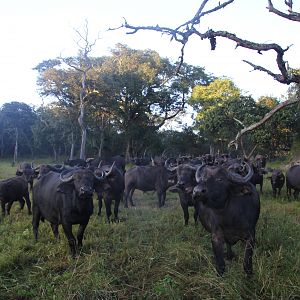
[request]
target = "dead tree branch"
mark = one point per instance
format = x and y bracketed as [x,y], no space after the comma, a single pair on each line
[183,32]
[293,16]
[262,121]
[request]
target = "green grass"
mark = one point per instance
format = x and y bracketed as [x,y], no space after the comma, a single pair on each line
[150,254]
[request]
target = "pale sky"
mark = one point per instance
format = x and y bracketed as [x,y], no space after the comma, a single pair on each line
[36,30]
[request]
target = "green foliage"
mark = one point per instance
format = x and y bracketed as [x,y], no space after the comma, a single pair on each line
[132,92]
[150,254]
[20,117]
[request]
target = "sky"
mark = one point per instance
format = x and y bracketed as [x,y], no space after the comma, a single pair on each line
[35,30]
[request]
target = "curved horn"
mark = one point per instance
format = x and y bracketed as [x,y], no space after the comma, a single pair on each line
[198,172]
[110,170]
[68,179]
[100,177]
[241,179]
[56,169]
[32,165]
[152,161]
[99,165]
[167,165]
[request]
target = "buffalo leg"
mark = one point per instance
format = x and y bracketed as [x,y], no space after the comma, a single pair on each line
[28,203]
[249,246]
[71,239]
[3,207]
[163,198]
[160,199]
[116,208]
[80,233]
[99,204]
[218,250]
[54,228]
[185,213]
[8,207]
[36,217]
[22,203]
[130,196]
[229,254]
[108,208]
[196,212]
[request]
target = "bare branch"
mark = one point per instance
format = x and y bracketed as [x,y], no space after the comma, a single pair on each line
[183,32]
[293,16]
[262,121]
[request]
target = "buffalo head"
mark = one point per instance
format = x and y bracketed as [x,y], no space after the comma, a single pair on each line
[214,184]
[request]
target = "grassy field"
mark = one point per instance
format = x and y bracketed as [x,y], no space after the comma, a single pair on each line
[150,254]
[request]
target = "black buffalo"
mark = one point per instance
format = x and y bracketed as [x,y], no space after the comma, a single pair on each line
[293,180]
[27,170]
[119,161]
[147,178]
[64,199]
[110,188]
[186,181]
[257,177]
[277,181]
[229,208]
[44,169]
[14,189]
[77,162]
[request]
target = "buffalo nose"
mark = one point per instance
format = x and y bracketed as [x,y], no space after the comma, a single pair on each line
[86,190]
[199,191]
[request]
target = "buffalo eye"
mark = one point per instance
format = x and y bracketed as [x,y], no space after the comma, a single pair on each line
[219,179]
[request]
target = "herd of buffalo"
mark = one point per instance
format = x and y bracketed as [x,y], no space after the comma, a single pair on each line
[221,190]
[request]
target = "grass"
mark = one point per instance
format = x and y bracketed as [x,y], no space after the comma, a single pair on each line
[150,254]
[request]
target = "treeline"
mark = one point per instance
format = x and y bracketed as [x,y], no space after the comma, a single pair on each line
[129,97]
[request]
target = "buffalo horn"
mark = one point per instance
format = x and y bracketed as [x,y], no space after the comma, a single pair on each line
[100,177]
[68,179]
[99,165]
[198,172]
[168,167]
[240,179]
[110,170]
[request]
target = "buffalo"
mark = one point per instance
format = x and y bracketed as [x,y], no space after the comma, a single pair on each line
[64,199]
[257,177]
[111,187]
[293,180]
[119,161]
[14,189]
[147,178]
[28,171]
[229,208]
[186,182]
[277,181]
[77,162]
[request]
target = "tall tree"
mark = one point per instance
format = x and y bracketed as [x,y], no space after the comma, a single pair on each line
[142,91]
[18,119]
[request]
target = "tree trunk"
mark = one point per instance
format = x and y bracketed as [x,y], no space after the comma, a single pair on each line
[72,147]
[54,153]
[2,145]
[16,147]
[83,130]
[128,148]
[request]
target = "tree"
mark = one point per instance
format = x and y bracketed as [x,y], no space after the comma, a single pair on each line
[71,91]
[185,31]
[17,121]
[141,91]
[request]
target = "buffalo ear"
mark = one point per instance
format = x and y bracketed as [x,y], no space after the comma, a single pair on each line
[19,173]
[65,188]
